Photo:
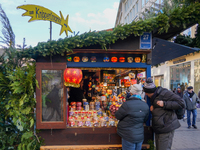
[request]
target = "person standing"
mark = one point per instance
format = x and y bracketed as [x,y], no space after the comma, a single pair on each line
[132,115]
[164,119]
[179,92]
[198,106]
[191,100]
[53,103]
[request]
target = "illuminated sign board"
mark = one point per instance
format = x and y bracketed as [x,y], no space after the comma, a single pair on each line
[40,13]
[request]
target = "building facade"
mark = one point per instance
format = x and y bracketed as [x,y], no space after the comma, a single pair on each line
[130,10]
[183,71]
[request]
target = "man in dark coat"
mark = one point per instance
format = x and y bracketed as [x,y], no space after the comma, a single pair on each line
[132,115]
[164,119]
[179,92]
[191,100]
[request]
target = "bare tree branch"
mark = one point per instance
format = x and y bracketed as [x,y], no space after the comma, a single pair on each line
[8,38]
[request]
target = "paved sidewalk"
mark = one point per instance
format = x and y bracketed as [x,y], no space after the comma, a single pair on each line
[187,139]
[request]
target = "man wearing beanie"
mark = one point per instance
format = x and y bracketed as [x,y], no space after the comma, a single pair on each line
[164,119]
[132,115]
[191,99]
[179,92]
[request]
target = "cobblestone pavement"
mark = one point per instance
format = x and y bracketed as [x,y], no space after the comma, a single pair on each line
[187,139]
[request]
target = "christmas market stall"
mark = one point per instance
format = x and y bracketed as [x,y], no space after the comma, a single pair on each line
[81,90]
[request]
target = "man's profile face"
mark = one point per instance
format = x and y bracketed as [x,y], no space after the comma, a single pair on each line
[149,94]
[190,91]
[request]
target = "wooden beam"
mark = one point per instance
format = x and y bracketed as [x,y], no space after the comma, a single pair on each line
[87,147]
[114,51]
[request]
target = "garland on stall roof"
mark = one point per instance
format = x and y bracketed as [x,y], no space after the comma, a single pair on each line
[178,17]
[18,84]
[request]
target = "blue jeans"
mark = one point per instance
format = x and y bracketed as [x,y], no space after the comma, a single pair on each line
[126,145]
[194,113]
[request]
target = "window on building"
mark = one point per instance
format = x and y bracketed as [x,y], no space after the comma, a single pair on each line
[143,3]
[196,75]
[51,96]
[134,12]
[128,3]
[156,4]
[147,1]
[136,7]
[180,77]
[128,18]
[131,15]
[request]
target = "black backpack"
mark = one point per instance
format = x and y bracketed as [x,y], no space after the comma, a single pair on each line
[180,113]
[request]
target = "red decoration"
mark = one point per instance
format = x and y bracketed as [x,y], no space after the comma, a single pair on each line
[127,84]
[73,77]
[133,81]
[114,59]
[121,59]
[123,81]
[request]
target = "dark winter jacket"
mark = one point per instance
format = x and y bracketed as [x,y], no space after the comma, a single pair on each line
[190,105]
[52,99]
[164,118]
[132,115]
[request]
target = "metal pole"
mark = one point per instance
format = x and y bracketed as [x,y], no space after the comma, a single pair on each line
[50,30]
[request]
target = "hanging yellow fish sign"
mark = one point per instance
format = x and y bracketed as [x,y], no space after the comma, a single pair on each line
[40,13]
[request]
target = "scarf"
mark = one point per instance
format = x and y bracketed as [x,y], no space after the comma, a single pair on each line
[191,94]
[137,96]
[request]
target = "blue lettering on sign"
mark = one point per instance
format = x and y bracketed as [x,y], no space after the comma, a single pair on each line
[36,12]
[65,25]
[146,41]
[46,16]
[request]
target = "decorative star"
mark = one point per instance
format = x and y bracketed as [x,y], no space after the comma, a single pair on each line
[64,24]
[68,71]
[74,72]
[74,80]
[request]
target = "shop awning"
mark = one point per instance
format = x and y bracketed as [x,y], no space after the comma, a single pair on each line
[164,50]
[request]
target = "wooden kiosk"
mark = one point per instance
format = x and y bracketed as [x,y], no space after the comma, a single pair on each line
[54,122]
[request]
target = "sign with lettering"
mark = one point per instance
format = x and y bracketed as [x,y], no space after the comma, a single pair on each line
[146,41]
[179,61]
[40,13]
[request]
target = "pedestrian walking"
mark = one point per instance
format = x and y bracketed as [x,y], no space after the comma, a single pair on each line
[132,115]
[164,119]
[179,92]
[191,100]
[198,105]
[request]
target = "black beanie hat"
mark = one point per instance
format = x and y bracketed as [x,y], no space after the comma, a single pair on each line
[149,86]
